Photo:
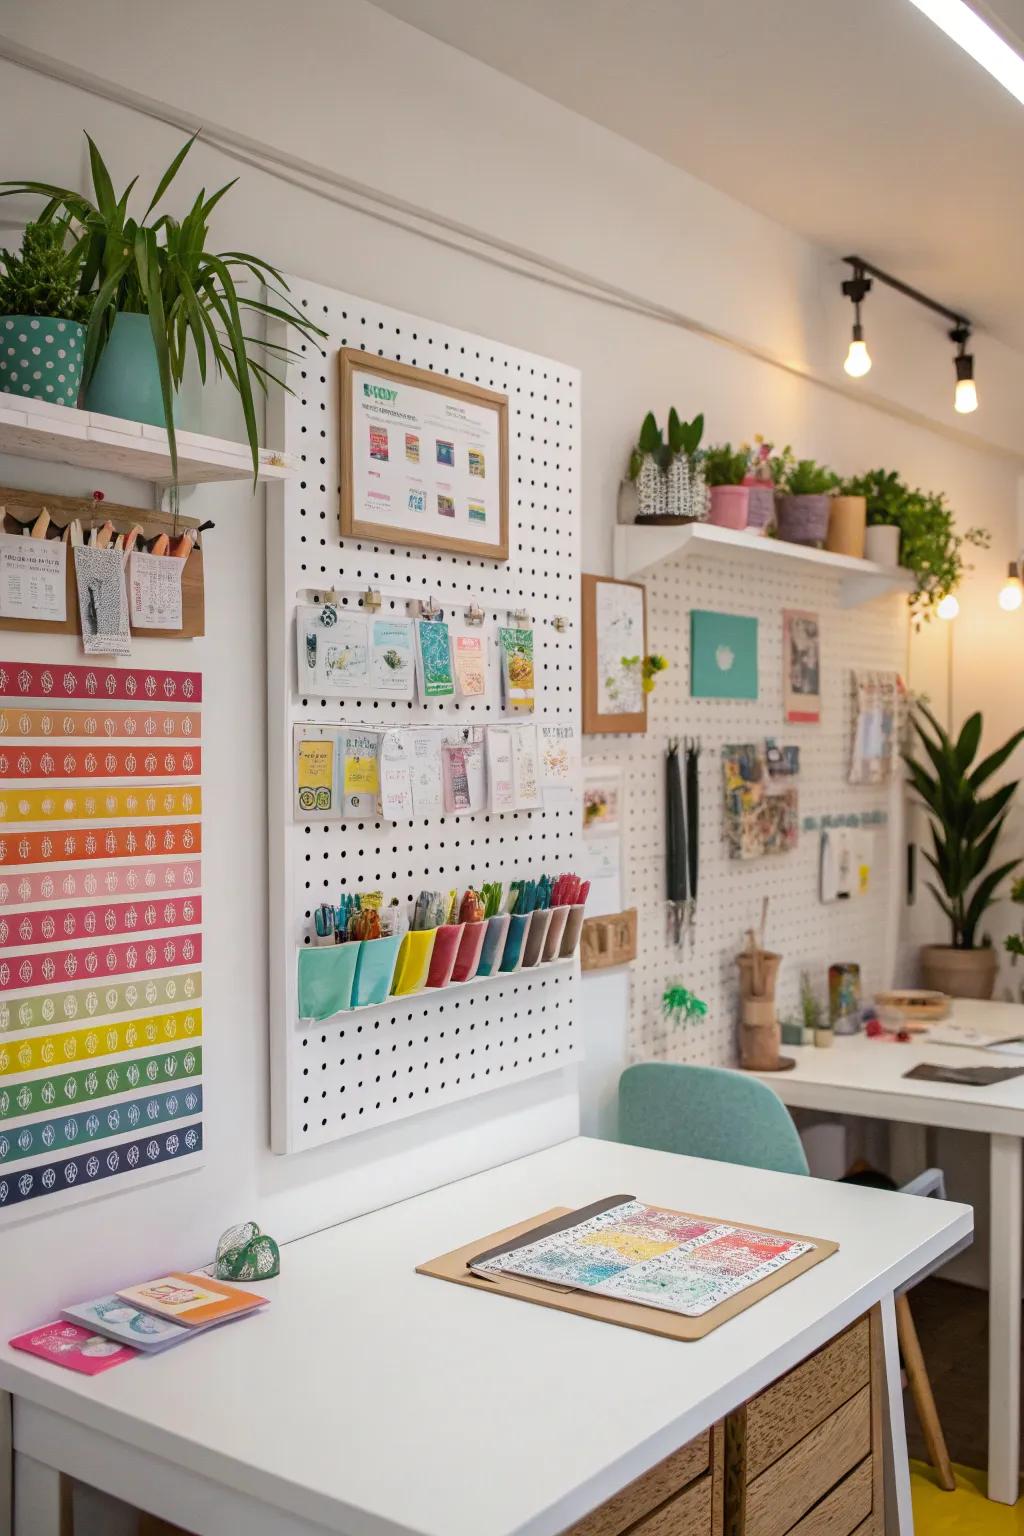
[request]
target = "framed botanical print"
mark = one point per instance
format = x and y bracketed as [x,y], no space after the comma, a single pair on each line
[614,646]
[424,458]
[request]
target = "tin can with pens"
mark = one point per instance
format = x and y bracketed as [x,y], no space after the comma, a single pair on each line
[844,997]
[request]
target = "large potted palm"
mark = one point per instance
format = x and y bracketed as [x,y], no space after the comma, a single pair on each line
[965,828]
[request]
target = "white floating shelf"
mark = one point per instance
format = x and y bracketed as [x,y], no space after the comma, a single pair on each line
[638,551]
[37,429]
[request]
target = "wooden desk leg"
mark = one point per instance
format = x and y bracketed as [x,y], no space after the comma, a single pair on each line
[6,1465]
[41,1498]
[899,1517]
[1004,1281]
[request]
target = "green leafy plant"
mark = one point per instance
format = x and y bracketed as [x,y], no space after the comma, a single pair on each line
[802,477]
[965,825]
[45,277]
[681,1006]
[812,1013]
[930,544]
[724,465]
[649,666]
[682,437]
[165,270]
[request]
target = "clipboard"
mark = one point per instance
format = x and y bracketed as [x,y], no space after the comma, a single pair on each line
[605,1309]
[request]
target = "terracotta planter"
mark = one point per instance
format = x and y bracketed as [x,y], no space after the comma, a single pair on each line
[882,544]
[760,505]
[802,519]
[729,505]
[847,525]
[959,972]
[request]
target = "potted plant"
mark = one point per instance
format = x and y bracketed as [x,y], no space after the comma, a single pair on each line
[965,828]
[161,295]
[760,488]
[816,1023]
[884,497]
[667,471]
[802,492]
[43,313]
[724,473]
[847,522]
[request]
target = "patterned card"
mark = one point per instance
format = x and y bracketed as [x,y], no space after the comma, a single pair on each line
[77,1349]
[191,1299]
[116,1319]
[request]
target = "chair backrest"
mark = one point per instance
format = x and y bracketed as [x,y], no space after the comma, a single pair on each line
[708,1112]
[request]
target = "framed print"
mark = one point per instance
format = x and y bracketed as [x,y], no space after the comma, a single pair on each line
[801,658]
[614,646]
[723,656]
[424,458]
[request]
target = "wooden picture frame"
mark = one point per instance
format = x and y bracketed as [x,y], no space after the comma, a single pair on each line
[412,450]
[598,720]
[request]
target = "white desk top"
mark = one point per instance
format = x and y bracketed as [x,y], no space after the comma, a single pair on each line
[379,1402]
[859,1076]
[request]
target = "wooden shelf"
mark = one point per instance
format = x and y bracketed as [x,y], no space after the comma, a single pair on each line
[37,429]
[638,551]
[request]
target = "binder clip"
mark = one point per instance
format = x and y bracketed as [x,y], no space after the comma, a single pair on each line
[475,615]
[371,599]
[427,610]
[522,618]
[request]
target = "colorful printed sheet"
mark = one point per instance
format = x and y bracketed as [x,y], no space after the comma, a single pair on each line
[635,1252]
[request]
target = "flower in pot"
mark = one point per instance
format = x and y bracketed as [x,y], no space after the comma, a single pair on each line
[802,492]
[965,828]
[162,295]
[666,471]
[724,472]
[43,313]
[759,484]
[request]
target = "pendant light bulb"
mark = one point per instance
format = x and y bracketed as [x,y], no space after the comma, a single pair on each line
[1011,596]
[965,396]
[948,607]
[856,289]
[858,358]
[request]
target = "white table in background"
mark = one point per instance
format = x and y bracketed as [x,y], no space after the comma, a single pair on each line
[373,1401]
[858,1076]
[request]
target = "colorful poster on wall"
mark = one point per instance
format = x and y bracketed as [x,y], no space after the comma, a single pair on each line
[801,664]
[723,656]
[100,930]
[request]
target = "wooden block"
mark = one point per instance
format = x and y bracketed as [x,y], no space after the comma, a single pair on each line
[645,1493]
[845,1509]
[795,1404]
[783,1494]
[688,1514]
[609,940]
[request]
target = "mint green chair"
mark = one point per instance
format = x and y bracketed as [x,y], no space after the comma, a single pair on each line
[708,1112]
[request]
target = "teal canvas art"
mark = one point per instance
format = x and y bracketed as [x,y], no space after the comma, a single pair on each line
[723,656]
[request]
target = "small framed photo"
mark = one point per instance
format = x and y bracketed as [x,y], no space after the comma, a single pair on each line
[424,458]
[614,646]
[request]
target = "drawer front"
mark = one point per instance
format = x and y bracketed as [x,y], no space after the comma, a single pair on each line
[846,1511]
[688,1514]
[643,1495]
[784,1494]
[791,1407]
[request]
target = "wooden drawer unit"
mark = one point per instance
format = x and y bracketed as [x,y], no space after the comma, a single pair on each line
[681,1496]
[803,1458]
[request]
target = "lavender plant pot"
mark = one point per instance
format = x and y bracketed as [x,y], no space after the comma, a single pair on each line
[802,519]
[760,505]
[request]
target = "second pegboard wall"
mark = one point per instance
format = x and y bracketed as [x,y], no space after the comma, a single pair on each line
[372,1067]
[807,933]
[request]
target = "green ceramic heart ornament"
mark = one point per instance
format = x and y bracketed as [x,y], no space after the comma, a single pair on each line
[246,1253]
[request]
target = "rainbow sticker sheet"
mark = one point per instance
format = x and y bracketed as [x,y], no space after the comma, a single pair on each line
[639,1253]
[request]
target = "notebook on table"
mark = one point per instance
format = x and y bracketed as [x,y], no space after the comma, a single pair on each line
[195,1301]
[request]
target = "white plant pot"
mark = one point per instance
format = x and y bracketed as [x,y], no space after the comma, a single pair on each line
[882,544]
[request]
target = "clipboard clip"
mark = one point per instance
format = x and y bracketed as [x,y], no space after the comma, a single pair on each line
[427,610]
[475,615]
[371,599]
[520,617]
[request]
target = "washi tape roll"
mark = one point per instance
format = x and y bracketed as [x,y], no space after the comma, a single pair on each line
[60,761]
[63,1089]
[25,720]
[100,960]
[45,927]
[35,680]
[99,843]
[62,1050]
[103,880]
[71,804]
[42,1010]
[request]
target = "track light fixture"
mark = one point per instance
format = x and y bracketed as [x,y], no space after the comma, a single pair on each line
[1011,595]
[858,361]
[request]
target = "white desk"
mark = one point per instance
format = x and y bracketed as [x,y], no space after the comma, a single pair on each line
[374,1401]
[858,1076]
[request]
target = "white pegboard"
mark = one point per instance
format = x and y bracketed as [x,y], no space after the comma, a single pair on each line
[806,932]
[372,1067]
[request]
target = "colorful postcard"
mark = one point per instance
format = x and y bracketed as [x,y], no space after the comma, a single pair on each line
[315,788]
[761,812]
[723,656]
[470,666]
[76,1349]
[801,659]
[191,1299]
[434,660]
[412,447]
[125,1324]
[379,443]
[445,452]
[417,499]
[476,462]
[445,505]
[392,658]
[477,512]
[517,668]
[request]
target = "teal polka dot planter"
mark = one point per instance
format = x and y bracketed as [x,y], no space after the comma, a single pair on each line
[41,358]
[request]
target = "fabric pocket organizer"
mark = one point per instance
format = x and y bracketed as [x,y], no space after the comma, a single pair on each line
[572,931]
[447,940]
[374,970]
[515,944]
[556,928]
[493,944]
[326,974]
[533,949]
[413,961]
[470,949]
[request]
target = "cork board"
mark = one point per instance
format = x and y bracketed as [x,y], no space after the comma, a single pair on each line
[603,1309]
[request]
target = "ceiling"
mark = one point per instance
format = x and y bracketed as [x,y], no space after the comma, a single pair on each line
[859,125]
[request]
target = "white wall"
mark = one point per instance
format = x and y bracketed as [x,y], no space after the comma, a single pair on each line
[341,85]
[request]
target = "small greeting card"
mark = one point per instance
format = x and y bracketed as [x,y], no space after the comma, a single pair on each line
[465,779]
[427,790]
[396,776]
[517,675]
[333,651]
[559,763]
[392,659]
[525,772]
[360,773]
[434,660]
[77,1349]
[470,666]
[499,768]
[193,1300]
[316,788]
[125,1324]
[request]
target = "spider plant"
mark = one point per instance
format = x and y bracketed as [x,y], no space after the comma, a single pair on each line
[165,270]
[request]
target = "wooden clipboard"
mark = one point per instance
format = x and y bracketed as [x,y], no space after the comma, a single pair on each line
[603,1309]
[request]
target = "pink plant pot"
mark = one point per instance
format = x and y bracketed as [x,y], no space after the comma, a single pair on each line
[760,505]
[729,505]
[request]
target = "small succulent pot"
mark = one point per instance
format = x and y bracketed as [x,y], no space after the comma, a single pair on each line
[803,519]
[540,922]
[847,526]
[729,506]
[444,954]
[40,358]
[824,1037]
[760,505]
[556,928]
[882,544]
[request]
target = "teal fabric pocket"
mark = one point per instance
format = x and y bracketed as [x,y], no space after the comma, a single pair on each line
[326,973]
[518,927]
[375,970]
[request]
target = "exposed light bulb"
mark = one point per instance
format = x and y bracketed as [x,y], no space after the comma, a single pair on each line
[858,359]
[948,607]
[1011,595]
[965,397]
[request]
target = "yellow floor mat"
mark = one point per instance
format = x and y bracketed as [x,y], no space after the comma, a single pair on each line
[966,1512]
